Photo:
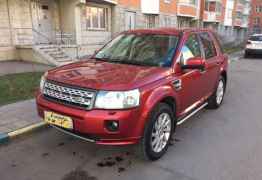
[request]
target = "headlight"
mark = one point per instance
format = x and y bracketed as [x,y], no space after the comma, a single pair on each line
[42,82]
[117,99]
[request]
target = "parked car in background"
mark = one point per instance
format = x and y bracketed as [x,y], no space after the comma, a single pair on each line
[137,89]
[254,45]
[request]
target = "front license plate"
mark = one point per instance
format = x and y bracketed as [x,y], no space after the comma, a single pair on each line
[58,120]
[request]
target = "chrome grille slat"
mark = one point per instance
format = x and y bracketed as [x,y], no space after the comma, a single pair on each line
[70,95]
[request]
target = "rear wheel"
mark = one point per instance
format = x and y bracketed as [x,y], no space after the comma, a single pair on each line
[158,132]
[216,99]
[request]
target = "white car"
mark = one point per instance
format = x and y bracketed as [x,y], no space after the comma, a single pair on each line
[254,45]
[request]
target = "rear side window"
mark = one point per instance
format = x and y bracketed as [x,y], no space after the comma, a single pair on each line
[208,45]
[191,48]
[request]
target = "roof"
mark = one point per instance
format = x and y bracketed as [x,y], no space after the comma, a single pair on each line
[169,31]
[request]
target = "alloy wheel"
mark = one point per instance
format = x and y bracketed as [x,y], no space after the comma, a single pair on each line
[161,132]
[220,92]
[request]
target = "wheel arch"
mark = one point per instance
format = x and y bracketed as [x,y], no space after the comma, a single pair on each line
[224,75]
[171,102]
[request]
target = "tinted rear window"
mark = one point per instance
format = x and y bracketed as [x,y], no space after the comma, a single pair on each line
[255,38]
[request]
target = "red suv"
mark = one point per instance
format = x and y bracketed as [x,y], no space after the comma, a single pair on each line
[137,88]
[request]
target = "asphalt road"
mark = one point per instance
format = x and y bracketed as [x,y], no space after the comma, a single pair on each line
[223,144]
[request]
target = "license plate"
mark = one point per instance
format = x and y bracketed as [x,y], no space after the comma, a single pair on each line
[58,120]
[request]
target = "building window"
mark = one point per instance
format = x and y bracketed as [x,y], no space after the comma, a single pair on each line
[96,18]
[191,2]
[258,9]
[167,21]
[151,21]
[256,21]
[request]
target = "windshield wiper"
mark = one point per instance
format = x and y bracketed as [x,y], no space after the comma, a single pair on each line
[120,61]
[136,63]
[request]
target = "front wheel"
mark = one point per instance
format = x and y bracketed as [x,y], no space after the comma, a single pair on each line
[158,132]
[217,98]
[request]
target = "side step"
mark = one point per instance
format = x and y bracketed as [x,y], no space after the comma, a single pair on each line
[191,114]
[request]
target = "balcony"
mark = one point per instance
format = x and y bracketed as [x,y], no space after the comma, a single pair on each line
[238,22]
[247,9]
[240,7]
[187,8]
[114,2]
[150,6]
[212,12]
[211,16]
[218,1]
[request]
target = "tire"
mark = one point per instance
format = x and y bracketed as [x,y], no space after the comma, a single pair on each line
[246,55]
[148,147]
[217,97]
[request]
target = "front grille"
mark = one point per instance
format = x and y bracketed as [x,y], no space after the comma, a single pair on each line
[69,95]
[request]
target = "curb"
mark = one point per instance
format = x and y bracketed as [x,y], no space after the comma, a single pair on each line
[6,137]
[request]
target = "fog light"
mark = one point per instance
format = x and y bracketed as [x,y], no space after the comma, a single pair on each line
[112,126]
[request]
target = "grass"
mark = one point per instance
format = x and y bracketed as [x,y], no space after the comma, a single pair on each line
[231,48]
[17,87]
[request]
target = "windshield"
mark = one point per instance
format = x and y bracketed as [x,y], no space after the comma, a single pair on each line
[255,38]
[137,49]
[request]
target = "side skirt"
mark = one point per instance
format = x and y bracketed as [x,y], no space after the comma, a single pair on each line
[182,120]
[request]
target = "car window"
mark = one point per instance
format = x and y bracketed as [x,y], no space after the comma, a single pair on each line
[216,36]
[255,38]
[191,48]
[208,45]
[140,49]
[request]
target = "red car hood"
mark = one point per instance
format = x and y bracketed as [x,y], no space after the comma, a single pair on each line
[107,76]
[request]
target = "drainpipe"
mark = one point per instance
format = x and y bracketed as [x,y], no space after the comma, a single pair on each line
[32,23]
[9,23]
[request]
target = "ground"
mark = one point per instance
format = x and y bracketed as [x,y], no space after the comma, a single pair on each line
[218,144]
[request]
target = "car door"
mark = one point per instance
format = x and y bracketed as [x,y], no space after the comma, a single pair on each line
[211,74]
[191,90]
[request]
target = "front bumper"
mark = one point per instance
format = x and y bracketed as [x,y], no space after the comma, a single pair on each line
[253,51]
[89,125]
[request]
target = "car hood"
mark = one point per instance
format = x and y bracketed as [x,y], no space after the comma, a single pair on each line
[102,75]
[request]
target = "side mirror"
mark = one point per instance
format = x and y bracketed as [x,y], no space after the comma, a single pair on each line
[194,63]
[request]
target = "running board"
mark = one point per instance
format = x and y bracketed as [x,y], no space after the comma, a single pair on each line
[191,114]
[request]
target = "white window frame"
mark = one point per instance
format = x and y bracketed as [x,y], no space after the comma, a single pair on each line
[99,19]
[167,1]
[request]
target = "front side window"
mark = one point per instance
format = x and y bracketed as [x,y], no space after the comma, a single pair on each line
[191,49]
[140,49]
[208,45]
[96,18]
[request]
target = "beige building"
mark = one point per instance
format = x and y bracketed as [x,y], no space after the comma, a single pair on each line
[53,31]
[58,31]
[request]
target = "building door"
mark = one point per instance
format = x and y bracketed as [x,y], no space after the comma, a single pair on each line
[130,20]
[42,21]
